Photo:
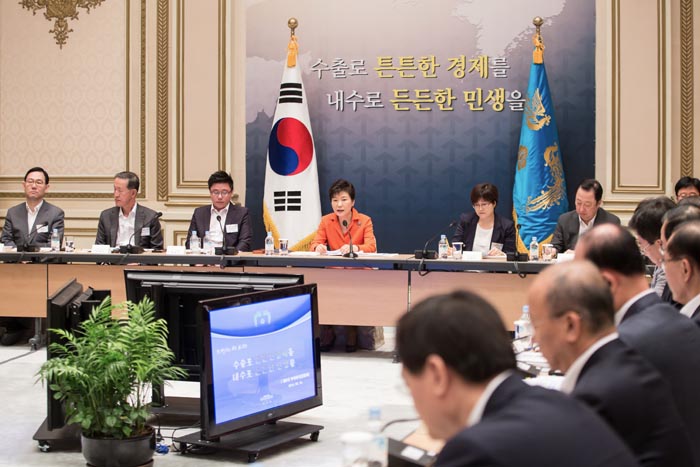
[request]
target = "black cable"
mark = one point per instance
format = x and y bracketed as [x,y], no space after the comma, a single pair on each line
[398,420]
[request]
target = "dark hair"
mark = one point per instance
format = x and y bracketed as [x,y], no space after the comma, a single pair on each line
[339,186]
[220,177]
[686,182]
[38,169]
[578,286]
[592,184]
[678,216]
[486,191]
[648,217]
[685,243]
[461,328]
[612,247]
[132,180]
[690,201]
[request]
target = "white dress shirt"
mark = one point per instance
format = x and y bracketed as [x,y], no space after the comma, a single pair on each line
[571,377]
[620,314]
[31,215]
[583,227]
[215,234]
[482,239]
[125,233]
[690,307]
[478,411]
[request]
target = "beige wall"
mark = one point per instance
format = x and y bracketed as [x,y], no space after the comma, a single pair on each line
[158,87]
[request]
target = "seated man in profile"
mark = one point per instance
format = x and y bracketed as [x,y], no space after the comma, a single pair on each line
[588,212]
[222,214]
[129,223]
[458,364]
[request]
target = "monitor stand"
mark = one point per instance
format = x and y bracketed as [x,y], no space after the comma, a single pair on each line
[251,441]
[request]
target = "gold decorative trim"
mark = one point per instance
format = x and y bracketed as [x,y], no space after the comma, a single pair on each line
[687,91]
[179,237]
[162,99]
[617,185]
[61,11]
[222,84]
[142,100]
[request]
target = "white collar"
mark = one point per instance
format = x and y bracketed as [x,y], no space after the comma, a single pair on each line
[690,307]
[571,377]
[131,214]
[620,314]
[36,209]
[478,411]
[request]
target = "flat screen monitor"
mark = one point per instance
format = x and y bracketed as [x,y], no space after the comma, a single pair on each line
[66,308]
[261,358]
[177,293]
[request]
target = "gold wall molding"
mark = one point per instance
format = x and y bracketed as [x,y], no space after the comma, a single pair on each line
[162,99]
[687,88]
[659,187]
[61,11]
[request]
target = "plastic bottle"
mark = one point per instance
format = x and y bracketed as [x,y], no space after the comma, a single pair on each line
[208,245]
[379,451]
[55,240]
[269,244]
[442,247]
[195,245]
[534,249]
[523,325]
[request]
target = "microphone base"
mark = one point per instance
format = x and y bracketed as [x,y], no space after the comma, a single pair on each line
[130,249]
[350,254]
[425,254]
[28,248]
[228,251]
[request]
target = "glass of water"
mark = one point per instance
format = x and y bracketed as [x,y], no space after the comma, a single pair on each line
[69,244]
[284,246]
[457,250]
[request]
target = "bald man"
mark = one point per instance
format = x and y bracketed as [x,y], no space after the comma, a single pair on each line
[574,327]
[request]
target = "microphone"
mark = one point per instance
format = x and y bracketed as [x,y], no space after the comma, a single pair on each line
[351,253]
[223,249]
[27,246]
[431,254]
[135,249]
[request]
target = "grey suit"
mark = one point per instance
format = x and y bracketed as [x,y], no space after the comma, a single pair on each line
[108,228]
[566,232]
[17,232]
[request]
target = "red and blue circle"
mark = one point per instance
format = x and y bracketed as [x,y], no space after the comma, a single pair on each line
[291,147]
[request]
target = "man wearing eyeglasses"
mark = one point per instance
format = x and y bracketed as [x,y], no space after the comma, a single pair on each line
[681,261]
[222,219]
[571,225]
[129,223]
[29,224]
[687,187]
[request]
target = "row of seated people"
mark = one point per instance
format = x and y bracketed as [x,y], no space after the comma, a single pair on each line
[631,362]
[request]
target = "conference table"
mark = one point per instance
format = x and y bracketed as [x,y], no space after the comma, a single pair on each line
[372,290]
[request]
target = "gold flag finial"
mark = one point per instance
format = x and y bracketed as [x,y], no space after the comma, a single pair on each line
[292,48]
[538,53]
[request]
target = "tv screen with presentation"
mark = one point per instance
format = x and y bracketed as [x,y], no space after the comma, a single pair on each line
[261,358]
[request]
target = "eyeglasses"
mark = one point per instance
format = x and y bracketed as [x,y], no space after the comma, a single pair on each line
[223,193]
[481,205]
[643,250]
[686,195]
[30,181]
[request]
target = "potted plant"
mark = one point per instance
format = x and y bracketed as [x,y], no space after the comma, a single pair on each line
[103,373]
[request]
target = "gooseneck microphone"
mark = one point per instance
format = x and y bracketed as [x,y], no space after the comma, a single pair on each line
[223,249]
[431,254]
[29,238]
[136,249]
[351,253]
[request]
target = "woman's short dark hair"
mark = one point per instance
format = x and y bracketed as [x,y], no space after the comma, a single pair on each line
[339,186]
[486,191]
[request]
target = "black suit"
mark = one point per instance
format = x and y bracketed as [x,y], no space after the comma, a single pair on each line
[237,215]
[671,343]
[534,427]
[566,232]
[503,232]
[108,228]
[635,400]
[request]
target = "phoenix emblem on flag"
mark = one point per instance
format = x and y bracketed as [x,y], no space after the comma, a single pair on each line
[555,192]
[535,113]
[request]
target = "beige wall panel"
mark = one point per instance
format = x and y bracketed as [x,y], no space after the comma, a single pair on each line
[64,109]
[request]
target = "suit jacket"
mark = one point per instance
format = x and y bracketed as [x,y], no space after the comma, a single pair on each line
[635,400]
[108,227]
[16,231]
[671,343]
[330,233]
[529,426]
[237,215]
[503,232]
[566,232]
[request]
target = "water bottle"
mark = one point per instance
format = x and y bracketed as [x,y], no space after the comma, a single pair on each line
[55,240]
[269,244]
[379,449]
[195,245]
[523,325]
[208,245]
[442,247]
[534,249]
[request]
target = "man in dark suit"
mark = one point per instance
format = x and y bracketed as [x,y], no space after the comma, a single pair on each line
[588,213]
[129,223]
[667,339]
[682,263]
[222,213]
[29,224]
[576,333]
[458,365]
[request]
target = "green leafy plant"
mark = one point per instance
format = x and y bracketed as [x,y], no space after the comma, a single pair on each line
[104,371]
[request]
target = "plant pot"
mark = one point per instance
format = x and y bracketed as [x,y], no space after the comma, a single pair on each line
[110,452]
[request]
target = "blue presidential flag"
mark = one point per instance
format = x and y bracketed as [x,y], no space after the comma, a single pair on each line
[539,192]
